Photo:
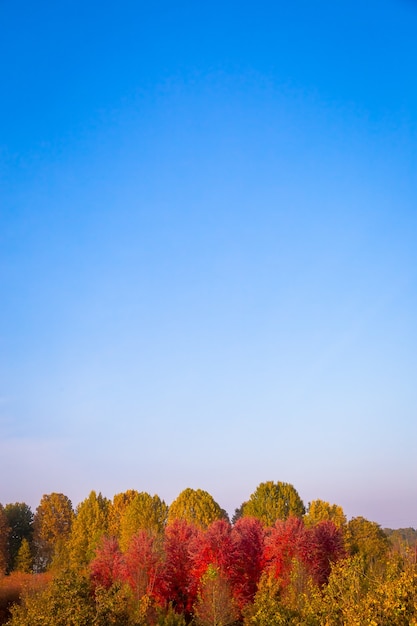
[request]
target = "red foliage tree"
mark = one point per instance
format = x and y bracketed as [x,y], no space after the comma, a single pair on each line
[178,585]
[283,544]
[249,541]
[142,566]
[323,545]
[214,547]
[106,567]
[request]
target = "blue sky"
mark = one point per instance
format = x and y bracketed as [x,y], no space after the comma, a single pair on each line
[208,259]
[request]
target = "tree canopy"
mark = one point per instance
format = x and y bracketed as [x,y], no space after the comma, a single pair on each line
[273,501]
[143,512]
[320,511]
[52,526]
[195,506]
[20,520]
[89,526]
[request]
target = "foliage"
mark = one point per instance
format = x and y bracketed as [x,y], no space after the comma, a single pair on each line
[214,547]
[89,526]
[143,512]
[320,511]
[368,540]
[66,601]
[274,501]
[178,584]
[14,585]
[24,559]
[215,605]
[143,565]
[4,541]
[402,539]
[323,545]
[248,539]
[169,617]
[267,608]
[195,506]
[116,510]
[311,570]
[388,598]
[114,606]
[20,520]
[106,567]
[52,526]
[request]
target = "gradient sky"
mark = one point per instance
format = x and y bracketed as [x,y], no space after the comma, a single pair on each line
[208,250]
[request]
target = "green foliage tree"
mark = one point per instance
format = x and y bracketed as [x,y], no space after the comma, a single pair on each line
[144,512]
[4,541]
[24,560]
[89,526]
[319,511]
[368,540]
[215,605]
[114,606]
[116,510]
[402,540]
[196,507]
[387,597]
[272,501]
[169,617]
[52,527]
[267,608]
[67,601]
[20,519]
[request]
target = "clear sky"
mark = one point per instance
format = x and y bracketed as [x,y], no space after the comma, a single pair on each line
[208,250]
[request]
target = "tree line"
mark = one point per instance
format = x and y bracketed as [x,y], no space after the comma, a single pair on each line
[133,560]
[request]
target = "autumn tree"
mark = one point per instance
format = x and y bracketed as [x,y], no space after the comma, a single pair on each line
[143,565]
[24,559]
[283,546]
[116,510]
[20,520]
[89,526]
[267,608]
[66,601]
[322,546]
[107,565]
[215,605]
[143,512]
[52,527]
[4,540]
[215,546]
[319,511]
[248,539]
[195,506]
[273,501]
[178,585]
[387,597]
[367,539]
[52,524]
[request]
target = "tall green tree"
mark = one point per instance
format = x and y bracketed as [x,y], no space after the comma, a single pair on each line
[52,527]
[144,512]
[20,519]
[321,511]
[195,506]
[368,540]
[215,605]
[273,501]
[89,526]
[116,510]
[24,560]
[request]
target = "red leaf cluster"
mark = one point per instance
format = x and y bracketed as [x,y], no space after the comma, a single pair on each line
[170,569]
